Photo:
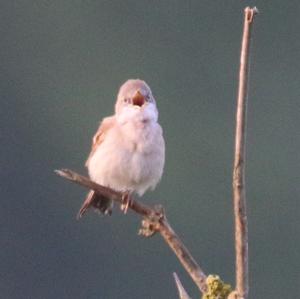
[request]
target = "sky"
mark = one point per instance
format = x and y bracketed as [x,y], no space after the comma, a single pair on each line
[61,64]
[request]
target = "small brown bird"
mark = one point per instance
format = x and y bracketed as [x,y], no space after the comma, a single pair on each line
[128,150]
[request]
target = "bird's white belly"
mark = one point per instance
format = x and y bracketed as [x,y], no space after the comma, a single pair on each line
[127,166]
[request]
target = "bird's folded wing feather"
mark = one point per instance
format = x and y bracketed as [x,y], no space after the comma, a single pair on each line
[106,124]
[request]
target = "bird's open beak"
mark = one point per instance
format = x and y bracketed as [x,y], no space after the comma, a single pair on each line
[138,99]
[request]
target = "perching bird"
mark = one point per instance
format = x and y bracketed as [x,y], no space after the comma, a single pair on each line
[128,150]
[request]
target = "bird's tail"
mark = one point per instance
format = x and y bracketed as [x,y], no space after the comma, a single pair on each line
[98,202]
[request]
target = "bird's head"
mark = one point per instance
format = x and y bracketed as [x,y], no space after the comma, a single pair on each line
[135,102]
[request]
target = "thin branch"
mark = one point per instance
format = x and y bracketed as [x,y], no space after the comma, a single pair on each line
[239,194]
[154,221]
[181,291]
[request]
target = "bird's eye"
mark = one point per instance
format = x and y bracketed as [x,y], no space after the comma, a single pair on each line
[126,100]
[148,98]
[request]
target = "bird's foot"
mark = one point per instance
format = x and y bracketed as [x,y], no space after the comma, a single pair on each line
[126,201]
[151,224]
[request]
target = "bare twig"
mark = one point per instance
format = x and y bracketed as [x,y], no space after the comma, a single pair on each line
[181,291]
[239,194]
[155,221]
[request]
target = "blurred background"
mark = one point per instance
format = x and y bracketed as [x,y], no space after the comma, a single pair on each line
[61,64]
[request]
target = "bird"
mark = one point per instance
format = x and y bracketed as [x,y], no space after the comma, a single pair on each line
[128,149]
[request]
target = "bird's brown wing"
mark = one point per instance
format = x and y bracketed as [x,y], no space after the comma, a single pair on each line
[98,138]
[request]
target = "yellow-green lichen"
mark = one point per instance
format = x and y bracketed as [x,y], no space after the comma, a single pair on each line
[216,288]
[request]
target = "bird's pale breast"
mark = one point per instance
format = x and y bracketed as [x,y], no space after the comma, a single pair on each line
[129,159]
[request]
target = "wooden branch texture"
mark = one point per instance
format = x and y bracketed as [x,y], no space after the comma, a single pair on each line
[155,221]
[239,193]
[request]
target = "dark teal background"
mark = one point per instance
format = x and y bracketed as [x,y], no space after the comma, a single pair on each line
[61,64]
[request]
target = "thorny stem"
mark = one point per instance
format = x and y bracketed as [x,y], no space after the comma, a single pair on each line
[181,291]
[239,194]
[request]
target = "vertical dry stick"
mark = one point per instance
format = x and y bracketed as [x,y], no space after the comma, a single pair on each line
[239,195]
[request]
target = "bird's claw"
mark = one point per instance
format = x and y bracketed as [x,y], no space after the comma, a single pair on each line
[126,202]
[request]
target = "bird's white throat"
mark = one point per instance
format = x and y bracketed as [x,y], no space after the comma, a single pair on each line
[138,115]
